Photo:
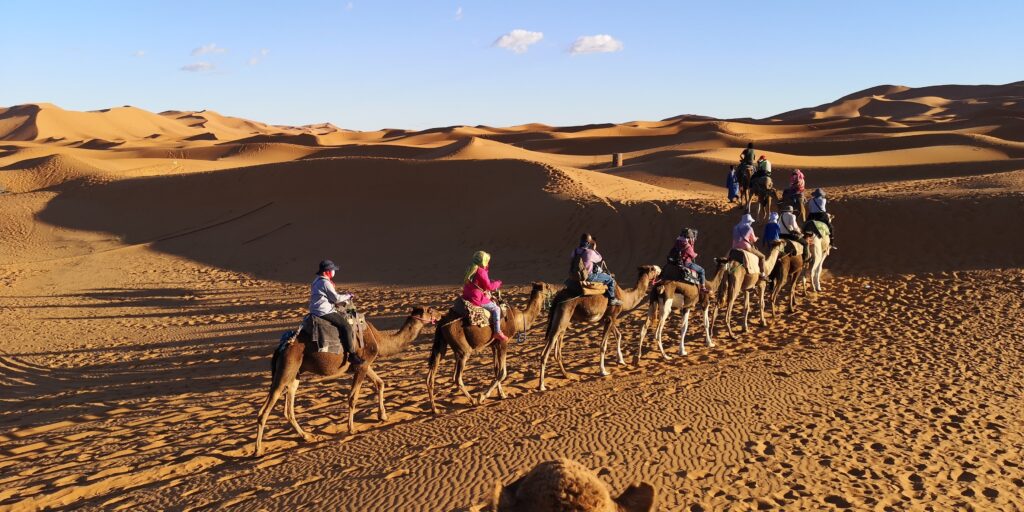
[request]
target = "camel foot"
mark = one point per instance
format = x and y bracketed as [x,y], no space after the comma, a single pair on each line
[312,438]
[542,388]
[382,417]
[683,353]
[622,360]
[481,399]
[258,452]
[712,345]
[604,373]
[666,357]
[435,410]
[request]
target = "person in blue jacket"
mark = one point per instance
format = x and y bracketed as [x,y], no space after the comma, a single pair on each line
[732,184]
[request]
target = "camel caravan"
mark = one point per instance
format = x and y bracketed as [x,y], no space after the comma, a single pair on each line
[335,339]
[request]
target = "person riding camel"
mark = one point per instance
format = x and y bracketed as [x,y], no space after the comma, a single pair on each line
[323,298]
[816,210]
[476,289]
[594,266]
[789,227]
[764,167]
[743,238]
[682,255]
[747,156]
[732,184]
[772,231]
[796,183]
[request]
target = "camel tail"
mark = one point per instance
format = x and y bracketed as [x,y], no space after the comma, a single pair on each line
[439,349]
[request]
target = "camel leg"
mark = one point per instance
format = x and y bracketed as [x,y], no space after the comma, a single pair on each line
[764,322]
[728,314]
[558,356]
[792,296]
[651,314]
[504,373]
[278,384]
[289,410]
[431,374]
[550,344]
[353,395]
[463,360]
[707,329]
[682,335]
[618,345]
[604,346]
[382,413]
[499,372]
[662,320]
[746,311]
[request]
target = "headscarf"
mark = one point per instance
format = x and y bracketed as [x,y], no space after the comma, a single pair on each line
[774,217]
[747,219]
[480,259]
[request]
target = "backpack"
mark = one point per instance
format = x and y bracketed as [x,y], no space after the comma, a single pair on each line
[577,268]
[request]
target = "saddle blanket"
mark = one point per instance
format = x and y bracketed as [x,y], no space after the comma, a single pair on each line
[475,316]
[326,336]
[586,288]
[748,259]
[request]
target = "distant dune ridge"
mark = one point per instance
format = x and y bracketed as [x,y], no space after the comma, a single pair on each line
[875,150]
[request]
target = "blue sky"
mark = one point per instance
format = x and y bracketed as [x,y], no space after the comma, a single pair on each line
[369,64]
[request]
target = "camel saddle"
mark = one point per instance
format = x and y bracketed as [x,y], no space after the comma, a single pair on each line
[677,273]
[585,288]
[747,259]
[793,247]
[762,184]
[475,316]
[326,336]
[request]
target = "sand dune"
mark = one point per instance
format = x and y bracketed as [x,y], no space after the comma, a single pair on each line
[150,262]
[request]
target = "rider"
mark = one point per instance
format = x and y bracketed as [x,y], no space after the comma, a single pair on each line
[796,183]
[732,184]
[322,299]
[682,255]
[816,210]
[789,228]
[476,289]
[772,231]
[595,269]
[747,156]
[743,238]
[764,167]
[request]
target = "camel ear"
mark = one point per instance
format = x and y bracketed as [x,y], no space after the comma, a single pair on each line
[537,284]
[637,498]
[418,311]
[505,499]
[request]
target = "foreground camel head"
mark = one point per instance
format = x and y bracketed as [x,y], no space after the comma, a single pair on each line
[566,485]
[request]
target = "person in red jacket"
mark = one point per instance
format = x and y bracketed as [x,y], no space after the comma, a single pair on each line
[684,256]
[476,289]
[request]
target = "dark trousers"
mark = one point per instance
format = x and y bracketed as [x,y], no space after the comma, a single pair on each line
[338,320]
[796,238]
[698,269]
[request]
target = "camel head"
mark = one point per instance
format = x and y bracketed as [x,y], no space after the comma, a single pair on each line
[426,314]
[565,484]
[546,291]
[649,273]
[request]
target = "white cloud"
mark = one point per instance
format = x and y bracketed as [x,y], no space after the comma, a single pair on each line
[198,67]
[139,53]
[458,13]
[518,40]
[600,43]
[256,59]
[208,48]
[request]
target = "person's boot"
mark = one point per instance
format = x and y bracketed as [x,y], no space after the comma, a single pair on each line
[500,336]
[354,359]
[615,302]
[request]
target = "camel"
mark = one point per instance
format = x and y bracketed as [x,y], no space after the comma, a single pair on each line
[466,340]
[294,357]
[733,275]
[796,200]
[672,296]
[765,194]
[743,174]
[569,306]
[819,248]
[565,484]
[788,271]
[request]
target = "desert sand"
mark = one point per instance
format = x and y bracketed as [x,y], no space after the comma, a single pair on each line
[150,262]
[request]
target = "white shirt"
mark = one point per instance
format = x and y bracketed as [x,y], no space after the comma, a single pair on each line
[789,226]
[323,297]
